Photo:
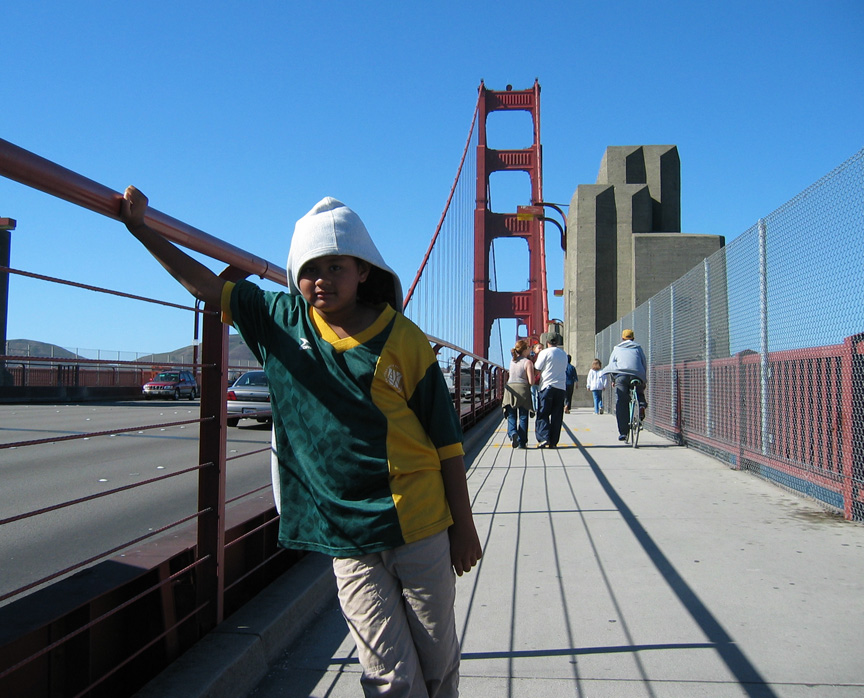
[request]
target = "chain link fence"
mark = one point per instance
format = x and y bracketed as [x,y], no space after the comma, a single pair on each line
[757,355]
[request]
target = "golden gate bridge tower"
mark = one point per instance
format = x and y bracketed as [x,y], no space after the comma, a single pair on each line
[529,307]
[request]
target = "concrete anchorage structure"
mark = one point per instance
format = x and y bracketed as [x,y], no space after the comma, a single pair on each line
[624,243]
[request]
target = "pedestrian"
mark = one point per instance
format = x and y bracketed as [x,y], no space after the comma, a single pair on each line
[626,363]
[572,381]
[552,366]
[369,448]
[517,395]
[596,382]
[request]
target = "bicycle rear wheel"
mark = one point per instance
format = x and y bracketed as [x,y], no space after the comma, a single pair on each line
[635,420]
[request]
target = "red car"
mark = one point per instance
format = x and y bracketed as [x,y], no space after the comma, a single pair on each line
[172,384]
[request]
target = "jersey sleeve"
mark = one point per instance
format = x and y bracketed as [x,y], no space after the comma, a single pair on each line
[425,389]
[253,311]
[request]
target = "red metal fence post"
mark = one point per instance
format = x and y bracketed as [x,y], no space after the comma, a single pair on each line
[852,418]
[211,480]
[211,449]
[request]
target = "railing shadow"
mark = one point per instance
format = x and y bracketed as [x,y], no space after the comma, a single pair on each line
[747,675]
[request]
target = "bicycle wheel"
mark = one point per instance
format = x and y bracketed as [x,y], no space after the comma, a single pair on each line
[630,421]
[635,421]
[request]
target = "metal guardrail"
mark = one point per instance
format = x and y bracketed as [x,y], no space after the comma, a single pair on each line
[112,642]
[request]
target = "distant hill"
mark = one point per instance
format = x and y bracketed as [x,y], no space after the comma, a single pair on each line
[238,353]
[30,347]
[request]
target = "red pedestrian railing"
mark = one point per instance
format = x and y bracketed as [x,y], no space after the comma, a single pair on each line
[799,434]
[188,573]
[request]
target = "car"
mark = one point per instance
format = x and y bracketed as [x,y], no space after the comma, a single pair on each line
[171,383]
[249,398]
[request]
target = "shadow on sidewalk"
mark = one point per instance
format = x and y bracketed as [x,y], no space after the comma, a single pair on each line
[749,678]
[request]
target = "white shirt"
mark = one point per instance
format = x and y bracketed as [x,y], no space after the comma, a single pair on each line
[552,364]
[596,380]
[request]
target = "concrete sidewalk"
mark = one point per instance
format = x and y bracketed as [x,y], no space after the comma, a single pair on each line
[607,572]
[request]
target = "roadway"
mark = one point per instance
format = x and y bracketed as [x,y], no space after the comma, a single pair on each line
[51,473]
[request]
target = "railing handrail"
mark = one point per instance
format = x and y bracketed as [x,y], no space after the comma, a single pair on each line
[37,172]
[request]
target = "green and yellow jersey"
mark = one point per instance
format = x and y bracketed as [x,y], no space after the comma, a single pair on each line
[361,424]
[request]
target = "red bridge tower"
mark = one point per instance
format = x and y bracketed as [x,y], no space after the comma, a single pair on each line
[530,308]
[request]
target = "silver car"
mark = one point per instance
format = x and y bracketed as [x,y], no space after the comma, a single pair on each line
[249,398]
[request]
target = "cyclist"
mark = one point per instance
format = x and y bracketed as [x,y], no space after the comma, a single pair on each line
[627,362]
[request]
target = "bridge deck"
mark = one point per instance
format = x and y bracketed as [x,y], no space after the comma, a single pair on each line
[608,572]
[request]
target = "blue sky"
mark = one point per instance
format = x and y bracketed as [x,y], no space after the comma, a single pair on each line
[238,117]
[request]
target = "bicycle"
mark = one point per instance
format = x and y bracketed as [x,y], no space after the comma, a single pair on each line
[635,423]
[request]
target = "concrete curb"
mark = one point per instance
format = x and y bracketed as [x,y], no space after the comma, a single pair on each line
[232,660]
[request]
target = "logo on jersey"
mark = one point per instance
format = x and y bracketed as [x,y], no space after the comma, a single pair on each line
[304,344]
[393,377]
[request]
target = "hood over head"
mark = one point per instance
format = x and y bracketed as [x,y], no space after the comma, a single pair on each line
[331,228]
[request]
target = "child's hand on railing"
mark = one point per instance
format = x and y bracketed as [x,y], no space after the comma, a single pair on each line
[133,207]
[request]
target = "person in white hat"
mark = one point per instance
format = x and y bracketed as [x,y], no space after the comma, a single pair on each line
[368,448]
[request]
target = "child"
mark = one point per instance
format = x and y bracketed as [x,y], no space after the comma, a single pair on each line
[571,381]
[596,382]
[369,450]
[536,348]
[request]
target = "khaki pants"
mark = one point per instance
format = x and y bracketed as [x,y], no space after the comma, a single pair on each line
[399,608]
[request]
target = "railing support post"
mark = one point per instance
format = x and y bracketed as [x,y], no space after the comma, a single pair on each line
[211,479]
[709,416]
[6,226]
[851,424]
[650,359]
[673,378]
[763,334]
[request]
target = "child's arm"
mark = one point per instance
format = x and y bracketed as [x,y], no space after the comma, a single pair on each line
[529,371]
[200,281]
[465,548]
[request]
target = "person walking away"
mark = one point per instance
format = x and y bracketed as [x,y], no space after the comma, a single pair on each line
[626,362]
[572,381]
[358,399]
[517,395]
[552,366]
[596,382]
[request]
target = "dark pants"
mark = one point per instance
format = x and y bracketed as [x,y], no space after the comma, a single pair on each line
[622,400]
[550,415]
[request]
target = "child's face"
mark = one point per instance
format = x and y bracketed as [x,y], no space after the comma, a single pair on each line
[329,284]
